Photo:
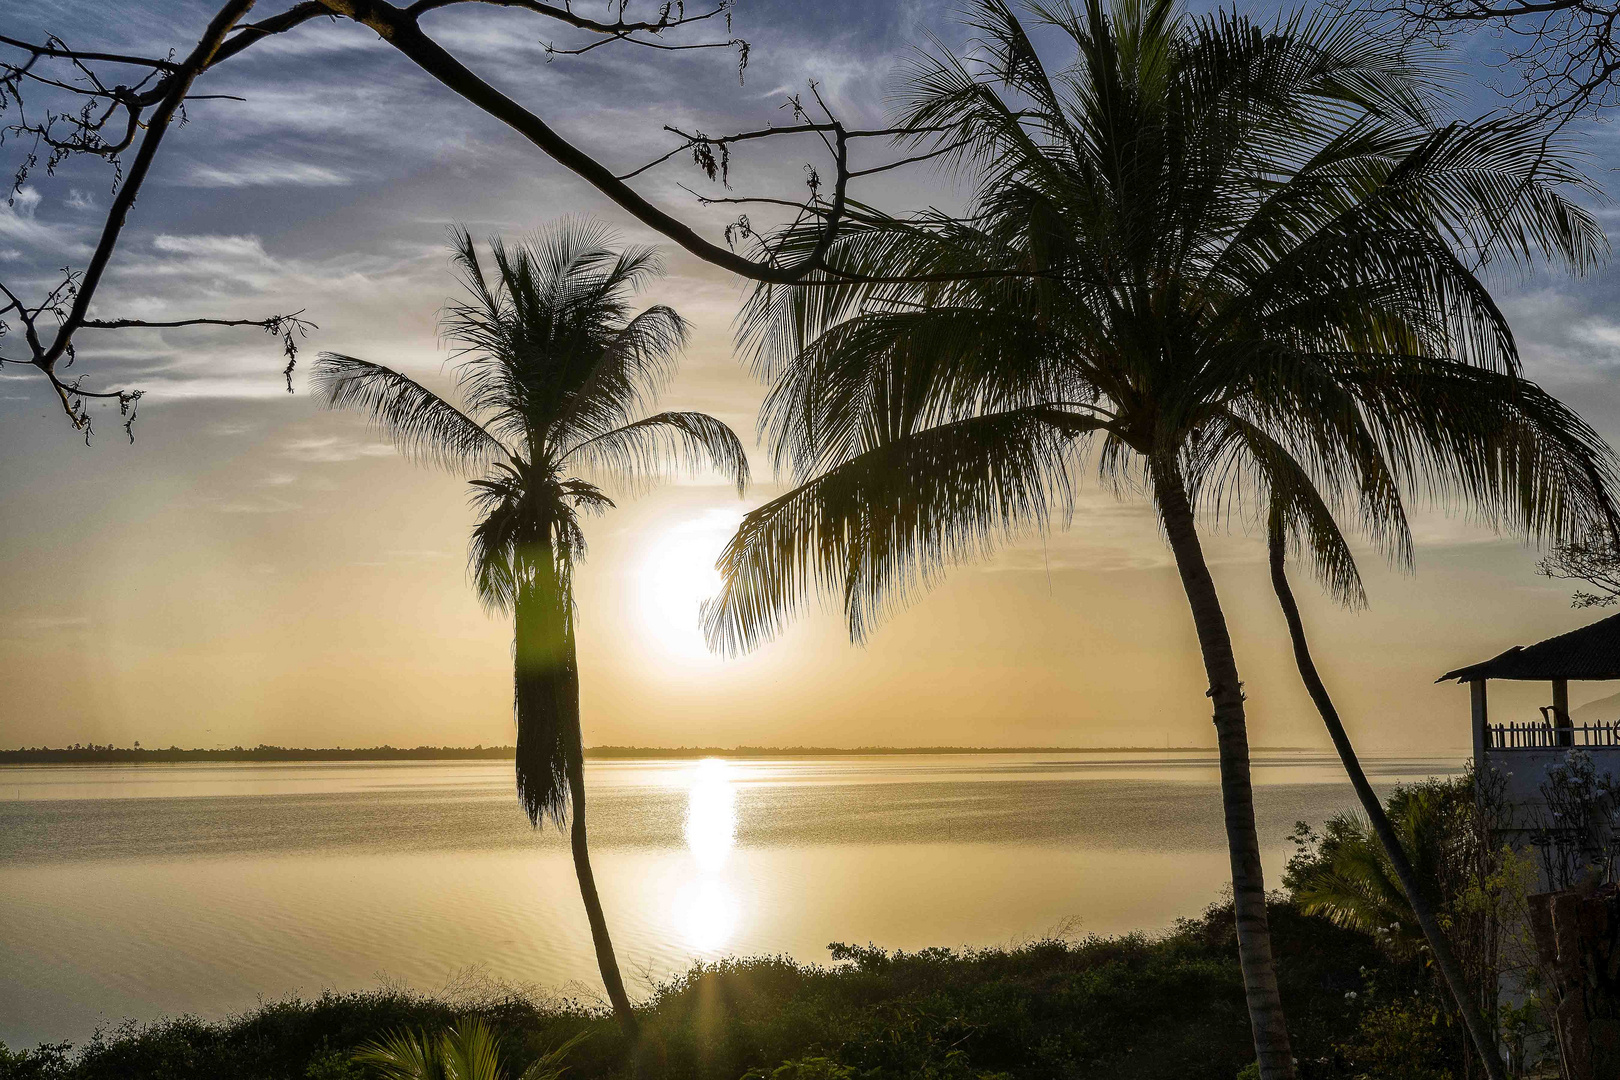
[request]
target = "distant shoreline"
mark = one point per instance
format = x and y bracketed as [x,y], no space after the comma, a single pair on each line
[136,756]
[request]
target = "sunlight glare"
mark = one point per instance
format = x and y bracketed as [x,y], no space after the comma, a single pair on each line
[711,814]
[706,913]
[677,574]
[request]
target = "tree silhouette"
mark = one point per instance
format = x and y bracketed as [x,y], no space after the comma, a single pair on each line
[1248,257]
[554,376]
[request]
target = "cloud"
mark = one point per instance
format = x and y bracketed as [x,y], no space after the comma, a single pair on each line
[266,505]
[230,428]
[218,246]
[329,449]
[408,557]
[286,481]
[265,172]
[19,223]
[320,38]
[34,627]
[1598,331]
[50,622]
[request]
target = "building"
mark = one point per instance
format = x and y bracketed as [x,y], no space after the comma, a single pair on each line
[1522,751]
[1570,824]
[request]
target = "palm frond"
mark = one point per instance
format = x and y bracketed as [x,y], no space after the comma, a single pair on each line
[467,1050]
[423,425]
[632,366]
[875,528]
[644,447]
[1513,454]
[1298,513]
[405,1055]
[472,1052]
[553,1063]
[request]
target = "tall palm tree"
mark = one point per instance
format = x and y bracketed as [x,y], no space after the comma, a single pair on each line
[1209,259]
[555,375]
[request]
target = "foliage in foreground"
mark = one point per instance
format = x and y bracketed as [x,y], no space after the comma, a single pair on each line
[469,1050]
[1127,1008]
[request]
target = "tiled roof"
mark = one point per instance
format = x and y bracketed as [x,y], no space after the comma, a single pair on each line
[1590,653]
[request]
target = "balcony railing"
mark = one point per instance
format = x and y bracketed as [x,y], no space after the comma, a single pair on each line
[1533,736]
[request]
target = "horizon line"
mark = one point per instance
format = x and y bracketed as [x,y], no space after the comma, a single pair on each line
[93,752]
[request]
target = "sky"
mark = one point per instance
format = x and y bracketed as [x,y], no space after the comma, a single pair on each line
[253,569]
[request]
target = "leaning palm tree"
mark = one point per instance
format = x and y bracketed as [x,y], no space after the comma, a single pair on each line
[555,375]
[1398,875]
[1403,869]
[1217,262]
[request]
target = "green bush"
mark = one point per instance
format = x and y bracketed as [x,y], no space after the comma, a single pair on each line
[1126,1008]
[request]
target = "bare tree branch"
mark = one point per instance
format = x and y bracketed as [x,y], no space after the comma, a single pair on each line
[1564,52]
[1594,561]
[118,116]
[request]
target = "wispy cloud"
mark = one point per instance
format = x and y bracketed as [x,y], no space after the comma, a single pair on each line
[265,172]
[329,449]
[20,223]
[259,505]
[33,624]
[408,557]
[233,247]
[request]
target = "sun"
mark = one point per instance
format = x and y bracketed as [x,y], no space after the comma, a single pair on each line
[676,575]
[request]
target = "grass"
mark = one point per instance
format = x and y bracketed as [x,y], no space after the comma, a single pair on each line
[1126,1008]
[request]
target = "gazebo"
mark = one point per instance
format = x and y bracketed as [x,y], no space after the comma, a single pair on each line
[1570,928]
[1524,751]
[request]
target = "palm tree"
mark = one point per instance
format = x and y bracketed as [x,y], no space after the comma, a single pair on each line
[1354,883]
[468,1050]
[1391,890]
[1209,259]
[555,372]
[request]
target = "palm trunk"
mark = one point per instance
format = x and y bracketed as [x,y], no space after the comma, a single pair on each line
[1266,1019]
[550,747]
[1483,1039]
[606,962]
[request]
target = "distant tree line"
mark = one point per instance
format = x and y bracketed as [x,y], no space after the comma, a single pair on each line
[93,752]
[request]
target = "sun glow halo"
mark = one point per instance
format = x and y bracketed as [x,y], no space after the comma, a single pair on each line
[677,575]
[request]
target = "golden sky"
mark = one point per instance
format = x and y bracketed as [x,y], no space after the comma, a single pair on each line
[254,570]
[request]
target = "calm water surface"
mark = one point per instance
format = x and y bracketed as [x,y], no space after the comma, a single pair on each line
[159,889]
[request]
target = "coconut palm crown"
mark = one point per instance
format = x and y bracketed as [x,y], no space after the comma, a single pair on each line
[1208,248]
[555,375]
[1234,266]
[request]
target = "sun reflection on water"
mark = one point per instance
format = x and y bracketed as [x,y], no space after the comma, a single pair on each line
[711,815]
[704,908]
[706,913]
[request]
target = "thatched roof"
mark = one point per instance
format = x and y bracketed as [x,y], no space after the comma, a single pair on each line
[1591,653]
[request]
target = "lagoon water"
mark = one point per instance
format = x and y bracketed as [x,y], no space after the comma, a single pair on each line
[160,889]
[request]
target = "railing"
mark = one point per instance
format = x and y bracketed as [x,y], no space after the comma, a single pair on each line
[1533,736]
